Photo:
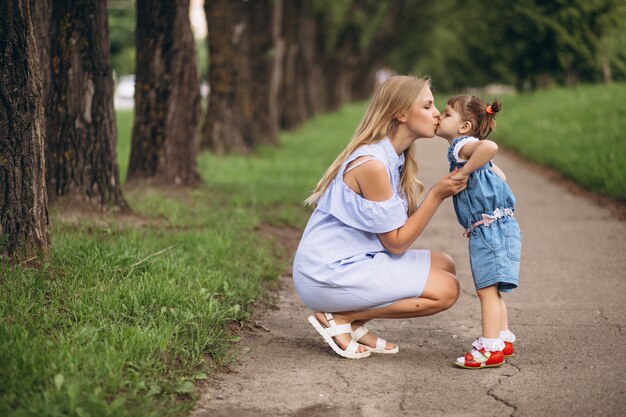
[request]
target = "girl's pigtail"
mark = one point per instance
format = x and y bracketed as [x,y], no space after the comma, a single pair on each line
[488,124]
[496,106]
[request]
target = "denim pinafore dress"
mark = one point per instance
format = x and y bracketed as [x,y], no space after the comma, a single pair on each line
[340,263]
[495,244]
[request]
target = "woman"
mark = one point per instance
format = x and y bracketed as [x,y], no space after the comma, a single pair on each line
[353,263]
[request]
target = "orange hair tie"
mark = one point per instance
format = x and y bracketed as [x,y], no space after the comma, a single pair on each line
[489,110]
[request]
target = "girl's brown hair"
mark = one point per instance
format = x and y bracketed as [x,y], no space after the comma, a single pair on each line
[393,98]
[478,112]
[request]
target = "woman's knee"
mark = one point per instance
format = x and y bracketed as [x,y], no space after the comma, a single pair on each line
[452,292]
[442,287]
[442,260]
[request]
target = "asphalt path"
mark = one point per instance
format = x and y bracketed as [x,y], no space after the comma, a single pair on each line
[569,314]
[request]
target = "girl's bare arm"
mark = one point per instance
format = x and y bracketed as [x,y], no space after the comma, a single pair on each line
[476,154]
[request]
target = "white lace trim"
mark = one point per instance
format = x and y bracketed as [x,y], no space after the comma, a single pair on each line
[491,345]
[507,336]
[459,145]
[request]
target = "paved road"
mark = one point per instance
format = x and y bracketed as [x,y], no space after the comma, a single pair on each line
[569,314]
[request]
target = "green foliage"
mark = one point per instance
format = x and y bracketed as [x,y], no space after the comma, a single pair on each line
[122,21]
[203,58]
[124,122]
[579,131]
[529,43]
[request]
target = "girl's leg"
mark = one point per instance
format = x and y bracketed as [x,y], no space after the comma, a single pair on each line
[488,350]
[491,311]
[504,323]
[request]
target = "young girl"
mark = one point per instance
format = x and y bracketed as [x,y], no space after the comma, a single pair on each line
[486,210]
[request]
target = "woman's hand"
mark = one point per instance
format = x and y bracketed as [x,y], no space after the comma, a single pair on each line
[451,184]
[399,240]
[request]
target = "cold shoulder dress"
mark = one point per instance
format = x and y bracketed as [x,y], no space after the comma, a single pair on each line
[340,264]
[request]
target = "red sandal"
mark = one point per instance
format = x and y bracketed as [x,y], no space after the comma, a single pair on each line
[477,359]
[508,350]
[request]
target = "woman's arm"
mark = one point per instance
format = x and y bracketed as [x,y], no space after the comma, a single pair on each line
[399,240]
[373,183]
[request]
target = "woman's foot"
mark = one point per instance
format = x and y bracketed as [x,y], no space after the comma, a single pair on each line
[342,340]
[367,338]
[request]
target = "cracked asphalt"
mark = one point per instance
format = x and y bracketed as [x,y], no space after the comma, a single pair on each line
[569,315]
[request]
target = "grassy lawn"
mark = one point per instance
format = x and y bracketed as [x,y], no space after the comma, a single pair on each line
[579,131]
[128,316]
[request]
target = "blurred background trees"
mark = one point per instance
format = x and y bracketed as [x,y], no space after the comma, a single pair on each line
[272,64]
[322,53]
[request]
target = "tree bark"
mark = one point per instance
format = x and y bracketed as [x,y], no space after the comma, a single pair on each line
[245,52]
[23,200]
[228,122]
[81,131]
[293,93]
[266,57]
[167,95]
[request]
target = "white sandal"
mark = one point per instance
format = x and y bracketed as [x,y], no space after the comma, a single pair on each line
[333,329]
[380,343]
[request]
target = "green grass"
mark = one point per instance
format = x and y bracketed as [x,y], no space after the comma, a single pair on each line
[108,328]
[578,131]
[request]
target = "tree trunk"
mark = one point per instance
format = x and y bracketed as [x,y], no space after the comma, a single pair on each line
[23,200]
[307,65]
[266,57]
[81,131]
[229,120]
[167,95]
[245,55]
[293,101]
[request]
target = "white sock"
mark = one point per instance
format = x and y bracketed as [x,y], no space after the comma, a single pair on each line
[491,345]
[507,336]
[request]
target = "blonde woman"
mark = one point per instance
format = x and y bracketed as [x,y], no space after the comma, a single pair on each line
[353,263]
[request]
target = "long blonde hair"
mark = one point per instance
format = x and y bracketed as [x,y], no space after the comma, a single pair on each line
[392,99]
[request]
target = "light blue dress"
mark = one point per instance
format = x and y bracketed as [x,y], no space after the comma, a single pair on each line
[495,247]
[341,264]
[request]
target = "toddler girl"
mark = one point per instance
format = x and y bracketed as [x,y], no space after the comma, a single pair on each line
[485,209]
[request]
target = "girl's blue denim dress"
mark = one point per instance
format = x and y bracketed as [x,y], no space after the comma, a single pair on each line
[486,210]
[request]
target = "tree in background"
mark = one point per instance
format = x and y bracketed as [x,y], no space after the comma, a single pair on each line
[23,201]
[122,17]
[267,49]
[243,75]
[529,43]
[80,121]
[167,95]
[297,30]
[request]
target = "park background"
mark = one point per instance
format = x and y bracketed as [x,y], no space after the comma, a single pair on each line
[136,294]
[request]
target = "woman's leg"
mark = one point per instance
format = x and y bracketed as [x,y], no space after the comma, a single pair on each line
[491,311]
[443,261]
[440,293]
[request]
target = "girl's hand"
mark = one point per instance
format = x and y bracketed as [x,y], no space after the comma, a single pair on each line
[459,174]
[451,184]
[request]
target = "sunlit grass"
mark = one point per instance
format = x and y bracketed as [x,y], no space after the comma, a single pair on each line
[579,131]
